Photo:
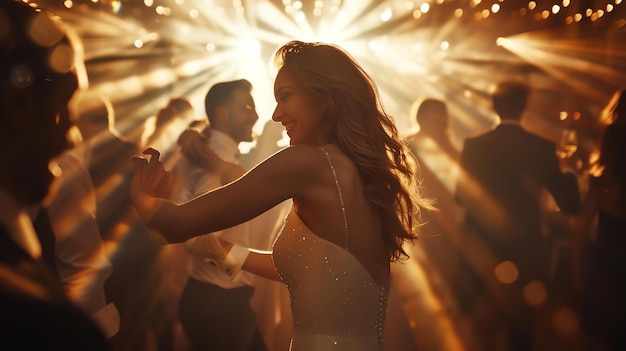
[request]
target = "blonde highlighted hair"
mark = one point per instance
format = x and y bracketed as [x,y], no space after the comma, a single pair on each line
[364,132]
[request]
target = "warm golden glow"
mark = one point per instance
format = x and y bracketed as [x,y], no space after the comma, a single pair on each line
[506,272]
[140,53]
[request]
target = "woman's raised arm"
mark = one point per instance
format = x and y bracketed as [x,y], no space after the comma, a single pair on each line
[284,175]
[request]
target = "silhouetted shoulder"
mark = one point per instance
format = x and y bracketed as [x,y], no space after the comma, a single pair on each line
[540,140]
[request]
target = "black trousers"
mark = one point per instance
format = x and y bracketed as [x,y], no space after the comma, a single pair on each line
[216,319]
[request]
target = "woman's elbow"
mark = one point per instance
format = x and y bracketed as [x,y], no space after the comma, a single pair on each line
[169,227]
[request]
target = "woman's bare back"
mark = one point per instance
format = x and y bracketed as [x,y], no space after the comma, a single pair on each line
[321,212]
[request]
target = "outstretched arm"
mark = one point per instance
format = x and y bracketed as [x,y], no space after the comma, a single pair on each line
[287,174]
[262,265]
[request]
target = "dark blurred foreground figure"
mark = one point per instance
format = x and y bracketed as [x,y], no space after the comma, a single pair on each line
[40,70]
[504,173]
[603,280]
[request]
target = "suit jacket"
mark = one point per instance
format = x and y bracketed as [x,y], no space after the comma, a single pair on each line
[503,175]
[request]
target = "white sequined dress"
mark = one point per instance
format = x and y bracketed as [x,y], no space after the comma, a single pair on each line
[335,302]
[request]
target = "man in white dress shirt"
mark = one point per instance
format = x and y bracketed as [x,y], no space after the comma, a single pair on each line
[77,254]
[214,309]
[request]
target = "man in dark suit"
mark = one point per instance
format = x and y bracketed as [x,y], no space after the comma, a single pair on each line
[504,174]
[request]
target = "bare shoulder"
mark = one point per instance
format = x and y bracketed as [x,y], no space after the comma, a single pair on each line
[298,156]
[297,163]
[299,151]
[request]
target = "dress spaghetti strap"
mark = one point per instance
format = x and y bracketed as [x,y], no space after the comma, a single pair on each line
[343,207]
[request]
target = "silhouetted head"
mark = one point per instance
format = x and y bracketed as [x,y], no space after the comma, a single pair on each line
[176,108]
[510,99]
[40,69]
[432,116]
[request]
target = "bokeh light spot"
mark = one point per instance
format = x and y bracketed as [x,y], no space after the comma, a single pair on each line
[566,321]
[535,293]
[506,272]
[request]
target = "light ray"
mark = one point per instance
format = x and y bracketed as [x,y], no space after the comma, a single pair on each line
[573,62]
[138,59]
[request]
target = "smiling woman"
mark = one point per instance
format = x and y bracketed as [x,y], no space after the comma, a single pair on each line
[354,201]
[300,110]
[141,53]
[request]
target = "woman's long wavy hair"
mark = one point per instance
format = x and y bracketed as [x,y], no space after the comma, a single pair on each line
[364,132]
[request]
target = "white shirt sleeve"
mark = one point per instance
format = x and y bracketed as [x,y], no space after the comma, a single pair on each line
[81,263]
[234,261]
[196,181]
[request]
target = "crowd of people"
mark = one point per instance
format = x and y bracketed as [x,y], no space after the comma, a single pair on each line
[113,244]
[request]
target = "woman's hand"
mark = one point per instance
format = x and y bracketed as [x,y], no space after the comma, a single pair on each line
[148,187]
[150,177]
[150,182]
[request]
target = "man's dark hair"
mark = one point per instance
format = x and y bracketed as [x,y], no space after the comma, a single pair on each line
[221,93]
[510,99]
[181,104]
